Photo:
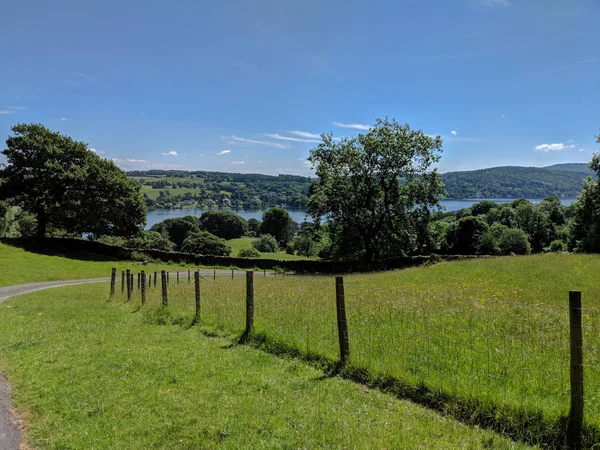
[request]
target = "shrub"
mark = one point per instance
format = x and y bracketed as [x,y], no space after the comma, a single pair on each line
[278,223]
[557,246]
[514,240]
[177,229]
[249,253]
[266,243]
[205,243]
[147,240]
[224,224]
[467,234]
[254,226]
[289,249]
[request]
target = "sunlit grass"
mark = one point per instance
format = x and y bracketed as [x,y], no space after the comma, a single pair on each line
[246,242]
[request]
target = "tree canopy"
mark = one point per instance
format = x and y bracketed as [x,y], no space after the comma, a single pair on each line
[224,224]
[278,223]
[205,243]
[377,189]
[66,185]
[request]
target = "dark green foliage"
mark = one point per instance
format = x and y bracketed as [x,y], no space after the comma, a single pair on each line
[376,189]
[482,207]
[289,249]
[513,182]
[249,253]
[177,229]
[278,223]
[150,240]
[514,240]
[205,243]
[266,244]
[224,224]
[557,246]
[535,223]
[254,225]
[67,186]
[467,233]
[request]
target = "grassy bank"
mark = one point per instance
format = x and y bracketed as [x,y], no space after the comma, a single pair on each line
[18,266]
[92,374]
[488,340]
[246,242]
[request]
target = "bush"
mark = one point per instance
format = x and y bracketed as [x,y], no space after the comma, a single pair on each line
[254,226]
[557,246]
[289,249]
[514,240]
[266,243]
[249,253]
[278,223]
[177,229]
[467,234]
[205,243]
[224,224]
[148,240]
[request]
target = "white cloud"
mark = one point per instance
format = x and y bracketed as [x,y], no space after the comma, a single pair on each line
[142,164]
[12,109]
[356,126]
[305,134]
[553,147]
[5,111]
[251,141]
[143,114]
[306,163]
[171,153]
[286,138]
[260,161]
[224,152]
[503,116]
[64,119]
[238,162]
[496,3]
[93,150]
[580,149]
[454,132]
[137,160]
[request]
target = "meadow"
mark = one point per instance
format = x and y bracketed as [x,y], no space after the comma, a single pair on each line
[87,373]
[488,339]
[246,242]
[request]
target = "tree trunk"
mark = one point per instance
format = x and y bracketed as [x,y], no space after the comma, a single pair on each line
[42,219]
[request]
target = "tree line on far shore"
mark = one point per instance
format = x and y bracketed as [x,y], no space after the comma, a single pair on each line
[373,198]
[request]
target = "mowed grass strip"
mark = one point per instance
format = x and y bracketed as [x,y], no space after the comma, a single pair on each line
[87,373]
[246,242]
[493,332]
[18,266]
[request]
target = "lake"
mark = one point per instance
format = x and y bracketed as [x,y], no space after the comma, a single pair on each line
[298,215]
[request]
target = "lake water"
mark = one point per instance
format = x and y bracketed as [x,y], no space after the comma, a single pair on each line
[298,215]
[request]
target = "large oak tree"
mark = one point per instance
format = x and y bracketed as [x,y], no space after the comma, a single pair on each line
[68,186]
[376,190]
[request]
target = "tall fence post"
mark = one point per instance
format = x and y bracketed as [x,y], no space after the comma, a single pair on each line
[139,280]
[113,280]
[214,274]
[341,320]
[143,287]
[155,274]
[576,337]
[128,275]
[165,298]
[178,277]
[197,289]
[232,274]
[149,280]
[122,281]
[131,283]
[249,301]
[188,276]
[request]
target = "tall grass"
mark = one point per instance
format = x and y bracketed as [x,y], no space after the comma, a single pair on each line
[483,335]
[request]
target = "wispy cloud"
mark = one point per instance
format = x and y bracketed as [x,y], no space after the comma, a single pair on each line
[287,138]
[64,119]
[252,141]
[171,153]
[553,147]
[143,114]
[262,161]
[503,116]
[454,132]
[12,109]
[142,164]
[322,66]
[238,162]
[93,150]
[84,76]
[305,134]
[224,152]
[573,65]
[355,126]
[5,111]
[496,3]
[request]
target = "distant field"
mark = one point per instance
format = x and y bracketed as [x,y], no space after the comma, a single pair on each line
[18,266]
[92,374]
[153,193]
[246,242]
[494,330]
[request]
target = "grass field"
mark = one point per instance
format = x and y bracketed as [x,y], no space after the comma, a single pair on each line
[153,193]
[246,242]
[87,373]
[18,266]
[492,334]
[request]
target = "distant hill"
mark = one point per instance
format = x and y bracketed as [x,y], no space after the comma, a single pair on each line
[562,180]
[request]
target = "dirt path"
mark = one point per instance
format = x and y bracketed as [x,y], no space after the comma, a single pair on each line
[10,433]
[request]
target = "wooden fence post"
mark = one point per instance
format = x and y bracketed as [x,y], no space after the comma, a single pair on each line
[143,287]
[576,335]
[155,279]
[149,280]
[128,275]
[341,320]
[188,276]
[249,301]
[214,274]
[113,280]
[178,277]
[132,277]
[197,286]
[139,280]
[265,273]
[232,274]
[122,281]
[164,281]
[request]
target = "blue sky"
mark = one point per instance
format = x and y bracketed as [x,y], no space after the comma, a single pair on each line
[246,86]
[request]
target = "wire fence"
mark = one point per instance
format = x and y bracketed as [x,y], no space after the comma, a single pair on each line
[509,353]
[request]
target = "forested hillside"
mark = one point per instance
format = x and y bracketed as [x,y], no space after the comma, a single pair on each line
[562,180]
